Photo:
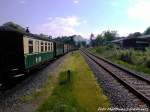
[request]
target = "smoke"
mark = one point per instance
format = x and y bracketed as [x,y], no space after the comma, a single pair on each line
[78,38]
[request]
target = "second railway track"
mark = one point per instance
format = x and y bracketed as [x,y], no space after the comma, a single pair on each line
[136,84]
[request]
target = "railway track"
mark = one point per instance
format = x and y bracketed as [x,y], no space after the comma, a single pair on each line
[138,85]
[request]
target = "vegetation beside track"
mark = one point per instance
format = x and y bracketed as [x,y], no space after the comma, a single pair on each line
[129,58]
[79,94]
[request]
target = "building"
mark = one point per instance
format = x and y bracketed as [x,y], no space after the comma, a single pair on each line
[140,42]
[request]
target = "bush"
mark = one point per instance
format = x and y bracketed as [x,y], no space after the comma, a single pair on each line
[140,60]
[130,56]
[126,56]
[147,63]
[65,77]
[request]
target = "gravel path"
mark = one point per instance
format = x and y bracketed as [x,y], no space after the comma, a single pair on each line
[119,96]
[9,99]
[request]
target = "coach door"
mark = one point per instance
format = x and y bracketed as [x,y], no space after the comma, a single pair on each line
[13,52]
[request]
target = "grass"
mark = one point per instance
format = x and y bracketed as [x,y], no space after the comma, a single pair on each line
[62,99]
[79,94]
[139,68]
[137,62]
[40,95]
[39,92]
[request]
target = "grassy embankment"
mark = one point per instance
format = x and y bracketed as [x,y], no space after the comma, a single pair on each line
[79,94]
[131,59]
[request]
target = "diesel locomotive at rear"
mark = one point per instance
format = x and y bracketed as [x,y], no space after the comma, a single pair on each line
[22,52]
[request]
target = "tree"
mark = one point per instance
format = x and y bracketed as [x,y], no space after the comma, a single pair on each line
[147,31]
[75,40]
[92,40]
[14,26]
[83,43]
[109,35]
[43,35]
[136,34]
[99,40]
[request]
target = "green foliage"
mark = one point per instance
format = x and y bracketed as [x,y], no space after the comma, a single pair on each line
[14,26]
[127,56]
[109,35]
[147,62]
[62,99]
[130,56]
[139,68]
[136,34]
[138,60]
[99,40]
[147,31]
[75,40]
[64,79]
[105,38]
[80,94]
[106,51]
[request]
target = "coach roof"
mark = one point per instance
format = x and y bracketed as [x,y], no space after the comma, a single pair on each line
[30,35]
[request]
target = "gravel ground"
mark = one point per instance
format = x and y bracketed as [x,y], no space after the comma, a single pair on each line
[9,100]
[118,95]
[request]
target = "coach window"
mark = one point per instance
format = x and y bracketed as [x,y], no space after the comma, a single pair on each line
[51,46]
[48,46]
[37,46]
[42,47]
[30,46]
[45,46]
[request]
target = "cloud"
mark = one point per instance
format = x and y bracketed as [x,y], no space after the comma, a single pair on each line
[139,10]
[84,21]
[22,2]
[60,26]
[49,18]
[122,30]
[125,31]
[75,1]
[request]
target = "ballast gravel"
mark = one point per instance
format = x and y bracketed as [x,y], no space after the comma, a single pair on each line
[10,99]
[119,96]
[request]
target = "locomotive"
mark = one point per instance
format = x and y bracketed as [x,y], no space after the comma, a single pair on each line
[22,52]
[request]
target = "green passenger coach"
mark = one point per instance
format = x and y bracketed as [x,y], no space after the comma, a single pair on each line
[20,52]
[59,48]
[37,51]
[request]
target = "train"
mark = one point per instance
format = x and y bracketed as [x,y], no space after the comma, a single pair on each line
[20,53]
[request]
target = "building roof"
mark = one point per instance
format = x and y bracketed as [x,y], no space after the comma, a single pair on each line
[143,37]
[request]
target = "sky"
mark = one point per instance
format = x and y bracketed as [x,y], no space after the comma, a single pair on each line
[81,17]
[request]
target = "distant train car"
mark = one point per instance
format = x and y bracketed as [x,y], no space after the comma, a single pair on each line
[71,47]
[21,52]
[59,48]
[66,48]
